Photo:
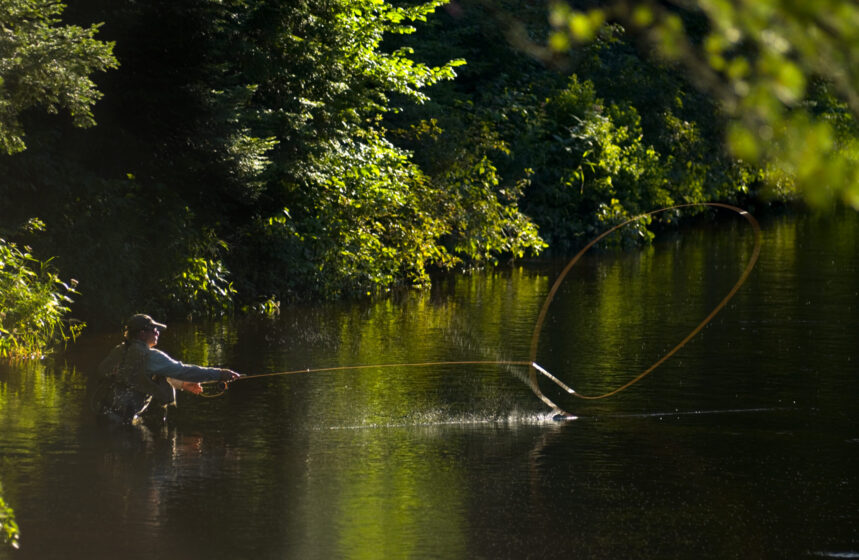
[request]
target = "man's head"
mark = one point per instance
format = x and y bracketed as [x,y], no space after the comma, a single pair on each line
[143,327]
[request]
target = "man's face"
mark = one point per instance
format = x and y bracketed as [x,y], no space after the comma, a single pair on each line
[150,335]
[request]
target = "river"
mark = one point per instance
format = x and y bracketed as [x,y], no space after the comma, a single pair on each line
[743,444]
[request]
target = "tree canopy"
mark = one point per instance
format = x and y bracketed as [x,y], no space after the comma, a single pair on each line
[47,65]
[250,152]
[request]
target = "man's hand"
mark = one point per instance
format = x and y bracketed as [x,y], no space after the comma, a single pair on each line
[191,387]
[229,375]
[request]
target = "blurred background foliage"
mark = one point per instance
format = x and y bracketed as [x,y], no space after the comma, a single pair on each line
[780,72]
[253,152]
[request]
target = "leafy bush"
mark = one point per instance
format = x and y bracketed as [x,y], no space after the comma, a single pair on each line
[33,304]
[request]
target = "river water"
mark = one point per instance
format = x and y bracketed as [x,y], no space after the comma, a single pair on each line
[744,444]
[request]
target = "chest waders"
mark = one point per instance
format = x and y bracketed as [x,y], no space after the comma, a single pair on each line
[129,388]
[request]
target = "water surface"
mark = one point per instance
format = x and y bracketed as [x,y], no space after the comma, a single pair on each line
[744,444]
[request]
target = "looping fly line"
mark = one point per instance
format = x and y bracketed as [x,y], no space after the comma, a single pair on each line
[535,337]
[531,363]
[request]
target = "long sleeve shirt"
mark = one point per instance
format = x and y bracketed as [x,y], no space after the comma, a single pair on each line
[159,363]
[147,370]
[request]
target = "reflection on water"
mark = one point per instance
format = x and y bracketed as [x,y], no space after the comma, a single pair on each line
[745,444]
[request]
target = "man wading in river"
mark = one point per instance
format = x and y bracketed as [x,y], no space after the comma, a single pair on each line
[135,374]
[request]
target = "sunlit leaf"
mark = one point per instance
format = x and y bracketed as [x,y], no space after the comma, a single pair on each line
[743,142]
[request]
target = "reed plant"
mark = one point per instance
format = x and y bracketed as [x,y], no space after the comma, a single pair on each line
[34,303]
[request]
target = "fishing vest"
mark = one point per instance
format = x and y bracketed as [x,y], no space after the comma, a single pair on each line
[128,361]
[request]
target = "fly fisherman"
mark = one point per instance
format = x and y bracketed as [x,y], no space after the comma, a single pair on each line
[135,373]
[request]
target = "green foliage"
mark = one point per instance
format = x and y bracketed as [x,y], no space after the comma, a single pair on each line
[593,156]
[345,210]
[44,64]
[33,303]
[256,151]
[379,222]
[8,527]
[201,288]
[241,110]
[616,137]
[479,209]
[756,60]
